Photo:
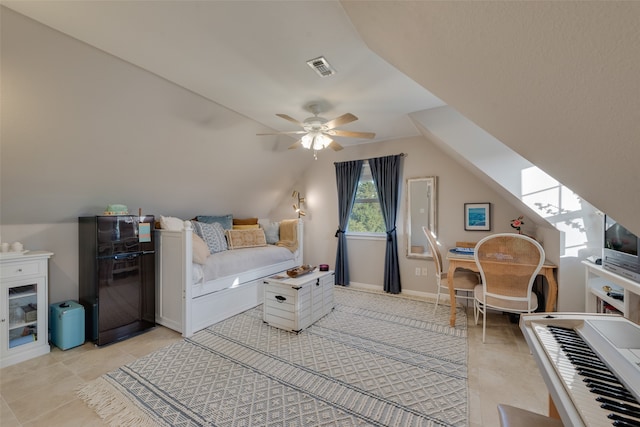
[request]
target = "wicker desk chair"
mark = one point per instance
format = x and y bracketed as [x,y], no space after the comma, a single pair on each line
[464,281]
[508,264]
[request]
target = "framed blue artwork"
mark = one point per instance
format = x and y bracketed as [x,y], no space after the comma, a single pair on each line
[477,216]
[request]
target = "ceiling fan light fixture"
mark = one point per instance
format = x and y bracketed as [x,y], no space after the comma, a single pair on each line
[321,141]
[315,140]
[306,141]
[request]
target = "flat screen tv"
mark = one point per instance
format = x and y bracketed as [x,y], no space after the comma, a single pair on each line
[620,250]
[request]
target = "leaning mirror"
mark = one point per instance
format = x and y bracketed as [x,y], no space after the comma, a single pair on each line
[421,212]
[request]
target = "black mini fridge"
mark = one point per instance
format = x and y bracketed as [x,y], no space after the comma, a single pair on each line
[117,276]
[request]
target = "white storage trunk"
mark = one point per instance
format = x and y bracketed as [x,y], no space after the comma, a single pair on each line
[294,304]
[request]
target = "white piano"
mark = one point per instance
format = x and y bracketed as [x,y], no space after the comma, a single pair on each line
[591,365]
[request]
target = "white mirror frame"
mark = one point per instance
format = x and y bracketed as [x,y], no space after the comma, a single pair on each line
[422,207]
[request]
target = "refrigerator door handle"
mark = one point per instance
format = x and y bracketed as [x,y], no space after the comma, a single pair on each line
[127,256]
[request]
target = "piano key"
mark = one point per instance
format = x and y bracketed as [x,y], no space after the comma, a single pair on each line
[573,339]
[593,374]
[602,372]
[609,393]
[616,391]
[619,390]
[619,420]
[572,342]
[619,407]
[586,358]
[586,363]
[567,336]
[569,339]
[561,329]
[586,353]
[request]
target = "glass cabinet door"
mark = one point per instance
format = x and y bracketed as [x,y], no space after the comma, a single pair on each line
[23,326]
[24,312]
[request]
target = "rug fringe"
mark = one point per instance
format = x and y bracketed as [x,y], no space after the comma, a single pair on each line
[112,407]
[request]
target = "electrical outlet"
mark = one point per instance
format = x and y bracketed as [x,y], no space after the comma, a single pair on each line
[424,271]
[417,271]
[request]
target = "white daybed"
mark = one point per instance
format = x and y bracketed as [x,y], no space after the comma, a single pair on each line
[186,307]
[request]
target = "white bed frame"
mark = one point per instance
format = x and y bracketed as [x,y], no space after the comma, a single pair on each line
[186,308]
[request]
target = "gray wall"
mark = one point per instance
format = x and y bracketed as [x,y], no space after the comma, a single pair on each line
[82,129]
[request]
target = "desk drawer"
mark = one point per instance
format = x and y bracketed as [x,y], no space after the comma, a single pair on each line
[20,269]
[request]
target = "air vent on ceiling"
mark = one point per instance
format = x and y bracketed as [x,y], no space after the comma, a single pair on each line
[321,66]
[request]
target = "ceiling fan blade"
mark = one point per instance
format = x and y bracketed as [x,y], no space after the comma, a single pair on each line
[295,132]
[335,146]
[297,144]
[342,120]
[351,134]
[291,119]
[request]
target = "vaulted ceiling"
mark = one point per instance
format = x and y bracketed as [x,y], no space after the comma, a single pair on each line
[555,81]
[250,56]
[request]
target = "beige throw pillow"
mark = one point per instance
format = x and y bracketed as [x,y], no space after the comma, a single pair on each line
[246,238]
[245,221]
[200,250]
[245,226]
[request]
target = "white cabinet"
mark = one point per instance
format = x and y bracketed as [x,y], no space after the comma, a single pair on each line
[600,300]
[24,306]
[294,304]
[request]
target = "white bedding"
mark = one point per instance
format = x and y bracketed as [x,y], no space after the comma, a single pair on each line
[227,263]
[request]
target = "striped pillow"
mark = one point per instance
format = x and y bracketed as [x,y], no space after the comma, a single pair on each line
[212,234]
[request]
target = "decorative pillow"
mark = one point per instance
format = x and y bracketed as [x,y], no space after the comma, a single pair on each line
[245,226]
[246,221]
[212,234]
[225,220]
[200,250]
[171,223]
[246,238]
[272,232]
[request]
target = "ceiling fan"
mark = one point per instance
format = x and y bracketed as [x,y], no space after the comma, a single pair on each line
[317,131]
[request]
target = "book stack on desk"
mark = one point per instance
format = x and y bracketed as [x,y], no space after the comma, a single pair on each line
[464,248]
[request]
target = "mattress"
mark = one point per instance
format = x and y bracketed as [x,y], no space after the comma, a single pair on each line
[231,262]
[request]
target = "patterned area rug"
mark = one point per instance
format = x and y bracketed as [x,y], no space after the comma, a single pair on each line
[377,359]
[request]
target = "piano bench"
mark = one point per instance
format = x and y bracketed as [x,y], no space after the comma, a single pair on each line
[510,416]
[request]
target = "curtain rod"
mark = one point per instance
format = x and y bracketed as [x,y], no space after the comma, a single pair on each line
[401,155]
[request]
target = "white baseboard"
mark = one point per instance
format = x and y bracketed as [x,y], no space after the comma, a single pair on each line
[408,292]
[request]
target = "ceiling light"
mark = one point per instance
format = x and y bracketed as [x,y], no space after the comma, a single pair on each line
[315,141]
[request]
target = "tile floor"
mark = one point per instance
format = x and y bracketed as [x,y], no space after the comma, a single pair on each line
[41,391]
